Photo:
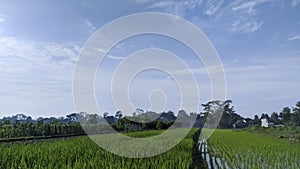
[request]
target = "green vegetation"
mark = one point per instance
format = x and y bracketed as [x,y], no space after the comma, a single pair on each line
[24,126]
[287,116]
[289,132]
[81,153]
[17,130]
[31,130]
[242,149]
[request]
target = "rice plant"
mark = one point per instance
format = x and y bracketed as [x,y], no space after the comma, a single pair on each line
[249,150]
[82,152]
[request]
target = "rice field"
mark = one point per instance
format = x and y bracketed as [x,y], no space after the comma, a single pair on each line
[224,149]
[246,150]
[82,152]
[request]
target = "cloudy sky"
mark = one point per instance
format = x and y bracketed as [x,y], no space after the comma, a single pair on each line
[258,42]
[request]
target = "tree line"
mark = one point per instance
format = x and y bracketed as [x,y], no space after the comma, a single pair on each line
[287,116]
[39,129]
[79,123]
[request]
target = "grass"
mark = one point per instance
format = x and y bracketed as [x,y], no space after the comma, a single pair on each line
[291,133]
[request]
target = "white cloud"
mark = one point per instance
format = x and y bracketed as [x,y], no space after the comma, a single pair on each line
[2,19]
[90,26]
[36,76]
[142,1]
[246,15]
[213,6]
[21,56]
[101,50]
[161,4]
[271,82]
[115,57]
[179,8]
[296,37]
[235,61]
[84,3]
[295,3]
[110,56]
[249,6]
[247,26]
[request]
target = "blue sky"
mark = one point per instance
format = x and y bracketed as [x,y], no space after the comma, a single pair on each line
[258,42]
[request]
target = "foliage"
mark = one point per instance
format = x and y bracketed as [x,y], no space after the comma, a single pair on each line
[214,109]
[30,129]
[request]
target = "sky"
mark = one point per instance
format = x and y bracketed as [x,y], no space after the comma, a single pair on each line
[258,42]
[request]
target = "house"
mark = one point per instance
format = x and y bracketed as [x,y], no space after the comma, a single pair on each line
[240,124]
[264,122]
[278,125]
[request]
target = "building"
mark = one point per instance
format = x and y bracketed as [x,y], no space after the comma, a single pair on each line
[240,124]
[264,122]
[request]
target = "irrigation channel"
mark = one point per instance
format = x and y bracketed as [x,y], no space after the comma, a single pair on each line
[211,161]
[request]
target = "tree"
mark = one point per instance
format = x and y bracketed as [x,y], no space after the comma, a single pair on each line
[220,111]
[295,118]
[229,116]
[264,116]
[29,119]
[72,117]
[183,118]
[139,111]
[53,120]
[285,115]
[6,122]
[121,124]
[93,118]
[275,118]
[159,125]
[149,116]
[105,114]
[119,115]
